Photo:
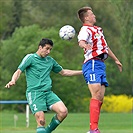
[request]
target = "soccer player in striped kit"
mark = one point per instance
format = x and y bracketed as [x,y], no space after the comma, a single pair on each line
[96,51]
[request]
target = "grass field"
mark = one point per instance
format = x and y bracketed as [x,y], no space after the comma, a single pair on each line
[74,123]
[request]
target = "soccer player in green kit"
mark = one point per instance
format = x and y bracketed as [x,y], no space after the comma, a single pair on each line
[41,98]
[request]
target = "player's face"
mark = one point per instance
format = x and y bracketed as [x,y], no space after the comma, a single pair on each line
[44,51]
[90,17]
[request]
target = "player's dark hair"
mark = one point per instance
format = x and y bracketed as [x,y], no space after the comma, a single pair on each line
[45,41]
[82,12]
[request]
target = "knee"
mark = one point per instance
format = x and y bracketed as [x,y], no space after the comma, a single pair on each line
[98,95]
[62,114]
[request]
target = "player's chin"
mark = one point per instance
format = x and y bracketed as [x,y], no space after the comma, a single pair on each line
[43,56]
[95,21]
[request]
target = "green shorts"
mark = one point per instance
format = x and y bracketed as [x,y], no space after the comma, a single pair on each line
[41,101]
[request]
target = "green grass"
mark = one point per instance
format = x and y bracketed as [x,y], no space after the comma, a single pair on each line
[74,123]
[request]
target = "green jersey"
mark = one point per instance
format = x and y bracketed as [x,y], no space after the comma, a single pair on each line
[37,70]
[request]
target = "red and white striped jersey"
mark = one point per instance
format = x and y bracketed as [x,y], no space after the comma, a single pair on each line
[93,35]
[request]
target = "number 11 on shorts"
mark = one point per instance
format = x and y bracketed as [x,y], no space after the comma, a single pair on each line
[92,77]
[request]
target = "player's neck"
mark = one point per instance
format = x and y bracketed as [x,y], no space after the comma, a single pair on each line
[87,24]
[38,53]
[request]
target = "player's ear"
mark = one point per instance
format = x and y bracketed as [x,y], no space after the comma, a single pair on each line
[40,47]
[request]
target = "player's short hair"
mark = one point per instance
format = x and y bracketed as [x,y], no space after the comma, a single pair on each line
[45,41]
[82,13]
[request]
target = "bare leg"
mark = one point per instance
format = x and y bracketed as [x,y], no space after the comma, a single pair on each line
[60,110]
[40,119]
[61,113]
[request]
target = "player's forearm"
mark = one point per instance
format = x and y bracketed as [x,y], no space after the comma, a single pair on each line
[16,75]
[82,44]
[67,72]
[112,55]
[73,72]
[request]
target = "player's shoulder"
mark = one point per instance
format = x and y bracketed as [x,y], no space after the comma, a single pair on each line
[83,29]
[28,56]
[98,27]
[88,28]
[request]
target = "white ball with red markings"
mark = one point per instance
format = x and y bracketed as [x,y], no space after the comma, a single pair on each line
[67,32]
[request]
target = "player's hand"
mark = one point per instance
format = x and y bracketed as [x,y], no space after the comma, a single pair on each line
[87,47]
[119,65]
[11,83]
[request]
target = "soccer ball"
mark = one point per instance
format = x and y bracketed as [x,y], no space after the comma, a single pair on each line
[67,32]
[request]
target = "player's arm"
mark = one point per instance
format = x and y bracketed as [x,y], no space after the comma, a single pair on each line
[15,77]
[112,55]
[67,72]
[83,44]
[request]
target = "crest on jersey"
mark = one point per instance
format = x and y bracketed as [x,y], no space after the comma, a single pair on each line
[97,35]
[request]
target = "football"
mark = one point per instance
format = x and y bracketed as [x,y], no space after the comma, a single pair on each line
[67,32]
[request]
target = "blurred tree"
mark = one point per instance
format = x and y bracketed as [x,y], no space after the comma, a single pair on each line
[19,33]
[15,20]
[20,44]
[121,45]
[5,15]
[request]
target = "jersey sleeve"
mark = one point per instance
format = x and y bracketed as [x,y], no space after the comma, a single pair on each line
[25,62]
[56,67]
[83,34]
